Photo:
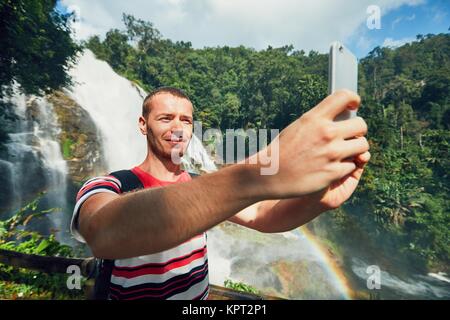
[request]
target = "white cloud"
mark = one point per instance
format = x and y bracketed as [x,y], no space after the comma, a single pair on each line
[401,18]
[439,16]
[411,17]
[396,21]
[307,24]
[391,43]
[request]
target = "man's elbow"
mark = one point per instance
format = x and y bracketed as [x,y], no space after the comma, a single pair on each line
[98,248]
[102,249]
[104,245]
[103,252]
[94,235]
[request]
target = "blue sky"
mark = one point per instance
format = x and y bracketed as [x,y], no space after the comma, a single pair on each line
[306,24]
[403,25]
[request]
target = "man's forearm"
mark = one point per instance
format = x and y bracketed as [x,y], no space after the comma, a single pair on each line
[157,219]
[287,214]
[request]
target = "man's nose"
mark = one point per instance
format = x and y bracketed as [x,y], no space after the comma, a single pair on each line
[177,129]
[177,125]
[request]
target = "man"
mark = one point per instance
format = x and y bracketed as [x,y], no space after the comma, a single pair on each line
[156,235]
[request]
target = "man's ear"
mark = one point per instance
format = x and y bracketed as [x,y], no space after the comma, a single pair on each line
[143,125]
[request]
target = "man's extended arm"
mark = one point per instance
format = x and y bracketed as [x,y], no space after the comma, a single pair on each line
[287,214]
[312,155]
[156,219]
[279,215]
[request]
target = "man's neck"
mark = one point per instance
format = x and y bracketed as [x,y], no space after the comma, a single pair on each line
[160,167]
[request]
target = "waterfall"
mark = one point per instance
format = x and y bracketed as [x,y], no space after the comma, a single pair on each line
[114,104]
[47,130]
[415,286]
[196,158]
[17,150]
[34,163]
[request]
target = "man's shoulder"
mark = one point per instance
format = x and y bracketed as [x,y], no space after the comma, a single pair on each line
[102,183]
[128,180]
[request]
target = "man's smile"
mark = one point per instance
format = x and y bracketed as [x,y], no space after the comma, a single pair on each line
[174,140]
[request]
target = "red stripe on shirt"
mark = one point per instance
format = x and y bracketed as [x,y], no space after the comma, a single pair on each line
[156,269]
[161,288]
[160,264]
[92,185]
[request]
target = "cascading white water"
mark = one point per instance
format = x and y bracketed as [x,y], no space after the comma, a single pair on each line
[114,104]
[417,286]
[35,163]
[17,149]
[197,155]
[46,129]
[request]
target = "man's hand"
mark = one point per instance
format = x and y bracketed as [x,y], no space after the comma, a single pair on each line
[314,150]
[339,191]
[287,214]
[324,141]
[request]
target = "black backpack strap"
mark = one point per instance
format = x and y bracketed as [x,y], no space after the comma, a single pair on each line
[102,279]
[129,182]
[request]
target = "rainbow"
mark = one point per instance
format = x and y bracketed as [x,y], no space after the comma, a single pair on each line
[336,275]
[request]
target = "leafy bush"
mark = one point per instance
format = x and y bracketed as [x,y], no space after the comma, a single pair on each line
[19,283]
[240,286]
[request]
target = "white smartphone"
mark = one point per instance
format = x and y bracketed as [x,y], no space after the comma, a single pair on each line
[342,74]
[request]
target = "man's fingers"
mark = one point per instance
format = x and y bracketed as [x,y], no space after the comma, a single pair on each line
[355,127]
[345,168]
[351,148]
[357,173]
[338,102]
[363,158]
[359,163]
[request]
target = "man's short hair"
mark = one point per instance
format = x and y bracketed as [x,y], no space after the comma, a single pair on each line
[171,90]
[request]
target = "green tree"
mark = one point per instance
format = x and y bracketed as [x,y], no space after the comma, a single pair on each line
[36,46]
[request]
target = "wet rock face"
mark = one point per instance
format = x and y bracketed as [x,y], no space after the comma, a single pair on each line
[79,138]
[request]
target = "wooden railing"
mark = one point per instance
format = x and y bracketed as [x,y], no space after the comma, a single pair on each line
[87,268]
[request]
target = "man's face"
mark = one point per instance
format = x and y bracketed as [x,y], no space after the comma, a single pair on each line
[168,125]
